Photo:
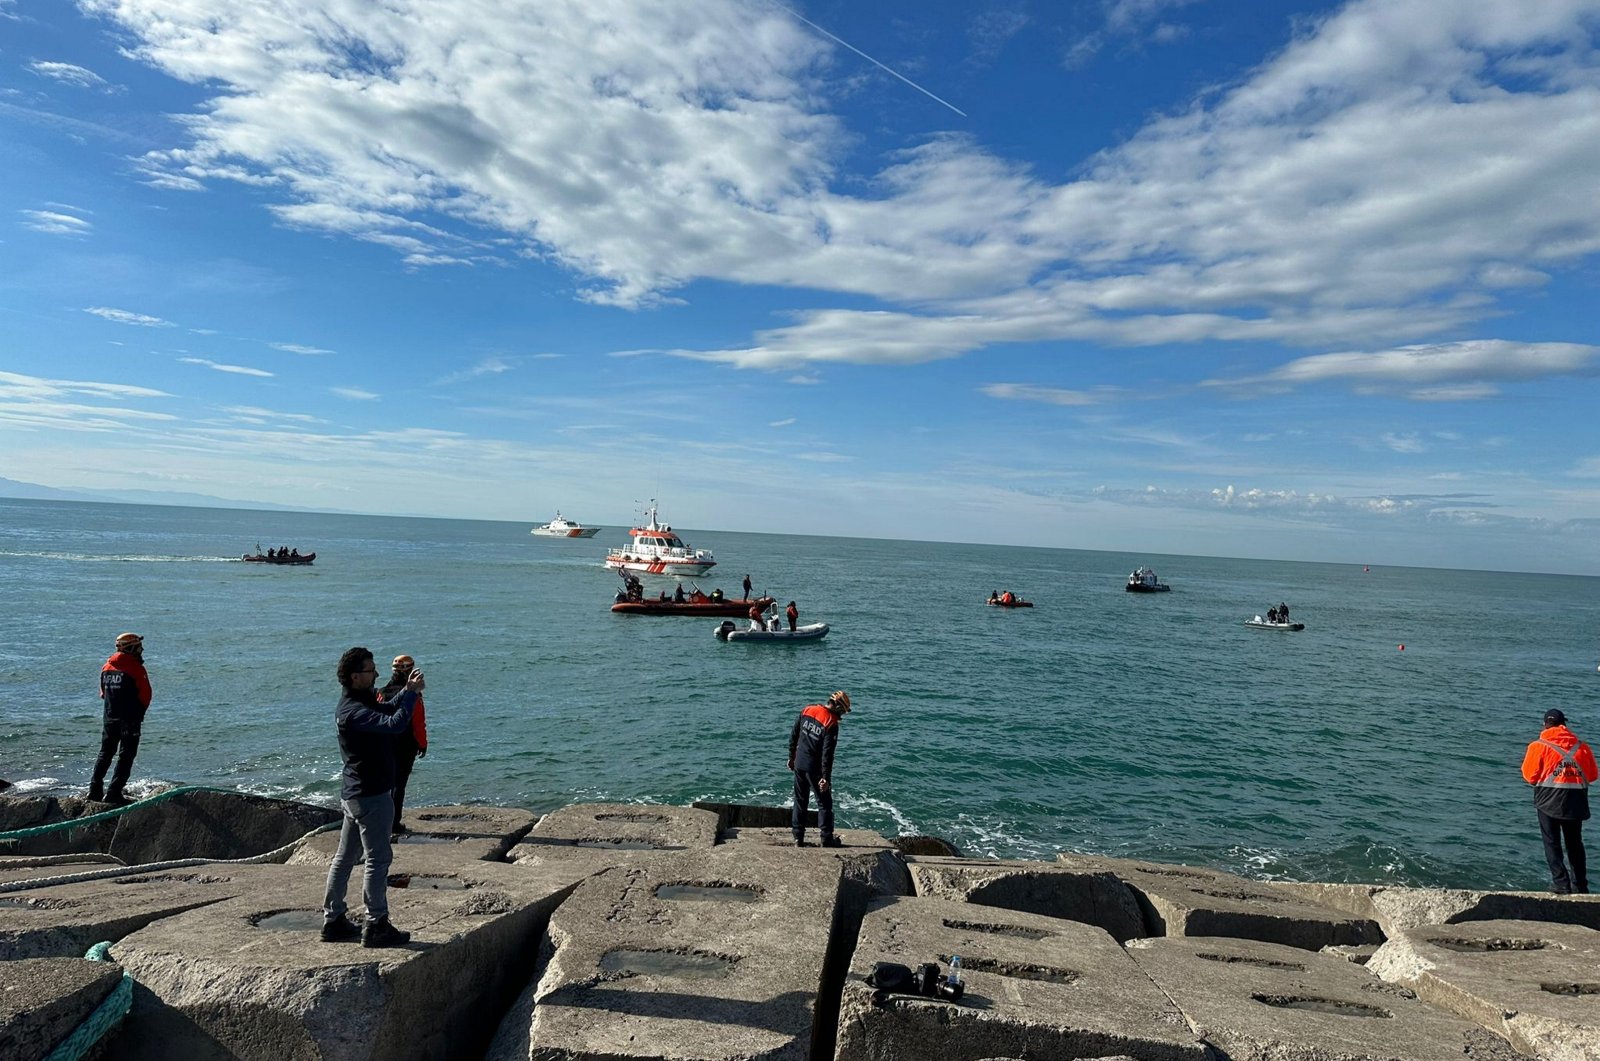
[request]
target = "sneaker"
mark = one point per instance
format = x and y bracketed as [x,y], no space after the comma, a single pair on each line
[379,933]
[832,841]
[96,794]
[340,928]
[117,799]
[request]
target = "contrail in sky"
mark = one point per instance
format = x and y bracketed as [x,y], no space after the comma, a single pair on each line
[870,59]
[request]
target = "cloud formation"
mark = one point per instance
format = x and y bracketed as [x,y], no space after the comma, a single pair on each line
[238,370]
[1461,370]
[55,223]
[122,316]
[69,74]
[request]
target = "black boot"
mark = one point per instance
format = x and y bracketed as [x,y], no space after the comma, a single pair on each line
[97,793]
[379,933]
[115,797]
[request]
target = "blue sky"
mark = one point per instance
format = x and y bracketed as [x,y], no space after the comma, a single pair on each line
[1306,281]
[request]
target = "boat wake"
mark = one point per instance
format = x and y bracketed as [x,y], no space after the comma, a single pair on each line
[120,558]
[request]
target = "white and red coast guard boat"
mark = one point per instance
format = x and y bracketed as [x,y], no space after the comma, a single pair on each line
[657,550]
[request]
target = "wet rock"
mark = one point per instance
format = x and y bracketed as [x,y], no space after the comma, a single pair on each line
[1538,984]
[1259,1001]
[27,812]
[43,1000]
[1036,987]
[925,845]
[1094,897]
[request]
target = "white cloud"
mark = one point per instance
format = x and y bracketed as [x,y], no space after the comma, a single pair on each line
[1432,372]
[1380,181]
[297,348]
[122,316]
[354,393]
[69,74]
[238,370]
[1408,442]
[39,402]
[54,223]
[1028,392]
[788,422]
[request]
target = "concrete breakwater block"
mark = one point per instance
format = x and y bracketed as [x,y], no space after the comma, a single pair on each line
[213,825]
[1093,897]
[1266,1002]
[1396,908]
[32,867]
[1194,901]
[43,1000]
[751,816]
[1036,987]
[468,833]
[626,827]
[27,812]
[706,954]
[507,823]
[250,977]
[1537,984]
[65,920]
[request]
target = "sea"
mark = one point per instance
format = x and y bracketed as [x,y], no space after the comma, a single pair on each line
[1381,744]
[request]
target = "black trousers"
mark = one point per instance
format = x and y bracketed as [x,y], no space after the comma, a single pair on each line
[805,783]
[117,733]
[1554,831]
[405,757]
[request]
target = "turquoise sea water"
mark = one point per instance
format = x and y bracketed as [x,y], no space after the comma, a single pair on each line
[1149,726]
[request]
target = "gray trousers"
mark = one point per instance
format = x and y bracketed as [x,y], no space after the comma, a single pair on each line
[367,822]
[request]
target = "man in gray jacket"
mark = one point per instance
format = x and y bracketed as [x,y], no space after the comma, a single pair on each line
[367,730]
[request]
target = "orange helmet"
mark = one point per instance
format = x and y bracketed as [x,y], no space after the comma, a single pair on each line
[128,641]
[840,700]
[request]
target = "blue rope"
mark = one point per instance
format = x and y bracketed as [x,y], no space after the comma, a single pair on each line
[105,1017]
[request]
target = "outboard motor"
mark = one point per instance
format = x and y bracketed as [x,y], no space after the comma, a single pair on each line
[725,629]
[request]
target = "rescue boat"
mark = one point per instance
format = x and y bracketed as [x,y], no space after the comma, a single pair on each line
[657,550]
[561,527]
[290,560]
[727,630]
[1144,580]
[696,603]
[1018,603]
[1258,623]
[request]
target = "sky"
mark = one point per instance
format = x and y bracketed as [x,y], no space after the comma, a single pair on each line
[1294,281]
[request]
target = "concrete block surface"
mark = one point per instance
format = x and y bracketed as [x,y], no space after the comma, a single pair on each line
[1259,1001]
[1196,901]
[1536,983]
[250,978]
[1094,897]
[712,954]
[43,1000]
[1036,987]
[1395,908]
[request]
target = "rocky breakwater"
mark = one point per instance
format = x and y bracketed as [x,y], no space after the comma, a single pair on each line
[611,931]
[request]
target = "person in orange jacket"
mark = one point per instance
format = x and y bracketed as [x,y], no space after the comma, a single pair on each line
[812,742]
[125,688]
[410,745]
[1560,767]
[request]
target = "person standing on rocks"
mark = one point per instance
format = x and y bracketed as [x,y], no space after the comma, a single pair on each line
[1560,767]
[811,746]
[367,730]
[125,688]
[410,745]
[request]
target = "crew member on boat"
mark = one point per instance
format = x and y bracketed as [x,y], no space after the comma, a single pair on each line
[756,622]
[1008,598]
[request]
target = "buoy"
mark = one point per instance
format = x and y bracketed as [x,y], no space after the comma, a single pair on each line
[1402,648]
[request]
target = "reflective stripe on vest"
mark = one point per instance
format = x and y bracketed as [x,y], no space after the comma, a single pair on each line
[1569,761]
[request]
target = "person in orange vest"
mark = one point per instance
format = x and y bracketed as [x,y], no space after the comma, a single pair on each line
[792,613]
[125,688]
[811,746]
[410,745]
[1560,767]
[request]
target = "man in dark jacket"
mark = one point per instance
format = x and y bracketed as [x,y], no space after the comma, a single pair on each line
[1560,767]
[367,730]
[811,745]
[125,688]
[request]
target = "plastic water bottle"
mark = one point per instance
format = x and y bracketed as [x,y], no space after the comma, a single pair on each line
[955,970]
